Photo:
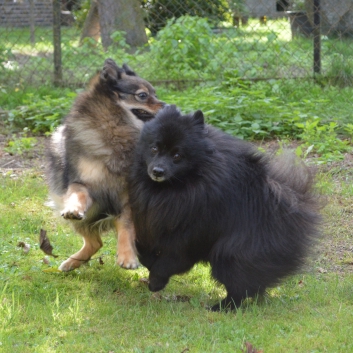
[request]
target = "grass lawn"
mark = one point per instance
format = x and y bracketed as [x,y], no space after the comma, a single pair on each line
[103,308]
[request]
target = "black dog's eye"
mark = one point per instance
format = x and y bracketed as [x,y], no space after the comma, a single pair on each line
[142,95]
[176,157]
[154,149]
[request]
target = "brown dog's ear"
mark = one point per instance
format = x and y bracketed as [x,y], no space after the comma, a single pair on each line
[111,72]
[128,71]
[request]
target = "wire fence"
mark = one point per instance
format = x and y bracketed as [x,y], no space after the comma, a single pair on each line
[64,42]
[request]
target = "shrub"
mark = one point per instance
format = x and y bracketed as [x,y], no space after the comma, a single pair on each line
[159,12]
[183,46]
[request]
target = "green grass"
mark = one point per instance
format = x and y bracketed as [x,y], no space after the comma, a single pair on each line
[103,308]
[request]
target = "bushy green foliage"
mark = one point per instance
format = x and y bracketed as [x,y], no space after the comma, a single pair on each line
[183,46]
[80,12]
[276,109]
[323,139]
[20,145]
[253,111]
[341,70]
[159,12]
[5,54]
[40,115]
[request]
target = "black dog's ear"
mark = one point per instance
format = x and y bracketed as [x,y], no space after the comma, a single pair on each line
[198,117]
[128,71]
[110,72]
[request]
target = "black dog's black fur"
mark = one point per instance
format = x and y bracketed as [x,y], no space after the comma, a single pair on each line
[198,194]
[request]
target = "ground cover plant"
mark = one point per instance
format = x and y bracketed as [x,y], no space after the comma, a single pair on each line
[294,110]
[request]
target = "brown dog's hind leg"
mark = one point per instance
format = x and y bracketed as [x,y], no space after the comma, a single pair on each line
[76,202]
[126,237]
[91,244]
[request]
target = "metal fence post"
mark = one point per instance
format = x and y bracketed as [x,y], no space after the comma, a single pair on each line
[317,37]
[57,42]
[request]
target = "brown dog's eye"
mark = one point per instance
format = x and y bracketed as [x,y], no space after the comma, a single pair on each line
[177,157]
[143,95]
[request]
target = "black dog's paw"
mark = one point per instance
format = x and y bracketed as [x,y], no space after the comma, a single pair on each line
[157,283]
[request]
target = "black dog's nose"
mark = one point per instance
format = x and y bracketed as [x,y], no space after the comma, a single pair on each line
[158,172]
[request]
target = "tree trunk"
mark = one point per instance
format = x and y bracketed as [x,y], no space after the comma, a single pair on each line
[122,15]
[91,27]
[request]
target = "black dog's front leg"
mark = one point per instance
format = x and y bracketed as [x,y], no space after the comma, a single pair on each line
[165,267]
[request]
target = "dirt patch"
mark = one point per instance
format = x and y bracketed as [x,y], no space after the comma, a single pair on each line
[31,159]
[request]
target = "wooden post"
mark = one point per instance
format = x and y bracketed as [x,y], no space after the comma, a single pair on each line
[32,22]
[317,38]
[57,42]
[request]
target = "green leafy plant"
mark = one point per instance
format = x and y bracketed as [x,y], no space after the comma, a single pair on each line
[340,71]
[183,46]
[80,12]
[244,110]
[158,12]
[119,39]
[18,146]
[322,139]
[4,54]
[40,114]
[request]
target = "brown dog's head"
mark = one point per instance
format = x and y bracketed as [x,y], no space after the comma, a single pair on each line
[133,93]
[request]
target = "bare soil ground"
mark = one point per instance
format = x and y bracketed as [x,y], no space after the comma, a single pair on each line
[33,159]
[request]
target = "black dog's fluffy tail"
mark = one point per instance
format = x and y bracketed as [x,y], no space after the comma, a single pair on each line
[285,226]
[293,185]
[291,180]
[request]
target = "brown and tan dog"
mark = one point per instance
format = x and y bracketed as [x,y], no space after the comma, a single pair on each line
[89,157]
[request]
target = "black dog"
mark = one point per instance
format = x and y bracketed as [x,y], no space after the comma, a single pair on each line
[198,194]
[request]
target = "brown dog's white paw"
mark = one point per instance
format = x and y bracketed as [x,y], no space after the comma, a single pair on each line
[76,202]
[72,213]
[127,260]
[71,264]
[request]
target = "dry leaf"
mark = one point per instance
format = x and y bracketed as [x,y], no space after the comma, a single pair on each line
[26,247]
[144,280]
[177,298]
[46,260]
[321,270]
[100,259]
[250,349]
[156,296]
[44,243]
[52,270]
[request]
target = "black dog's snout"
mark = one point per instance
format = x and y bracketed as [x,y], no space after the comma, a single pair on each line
[158,172]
